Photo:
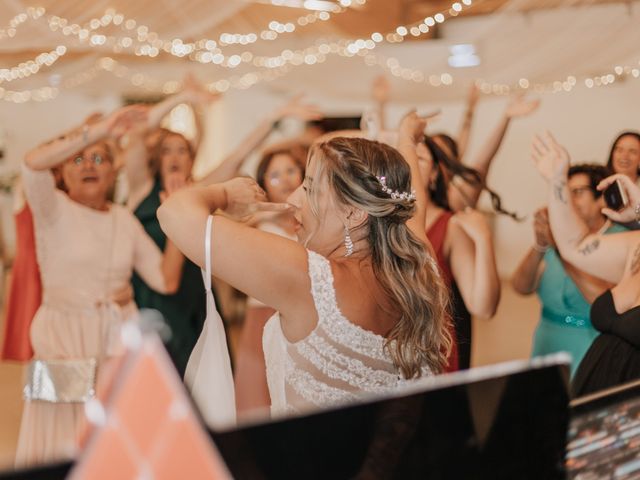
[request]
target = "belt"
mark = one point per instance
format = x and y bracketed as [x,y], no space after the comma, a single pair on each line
[563,319]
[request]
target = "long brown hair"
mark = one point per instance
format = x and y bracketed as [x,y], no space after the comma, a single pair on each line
[405,268]
[155,156]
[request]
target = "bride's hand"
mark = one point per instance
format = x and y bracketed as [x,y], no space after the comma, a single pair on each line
[245,197]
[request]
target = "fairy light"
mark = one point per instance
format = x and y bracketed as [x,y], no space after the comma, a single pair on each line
[31,67]
[567,84]
[30,13]
[145,42]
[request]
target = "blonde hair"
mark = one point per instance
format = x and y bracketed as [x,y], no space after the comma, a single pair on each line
[401,262]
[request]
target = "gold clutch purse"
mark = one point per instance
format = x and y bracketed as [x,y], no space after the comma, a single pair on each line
[60,381]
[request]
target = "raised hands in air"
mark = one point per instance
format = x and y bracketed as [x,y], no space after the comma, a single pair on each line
[550,158]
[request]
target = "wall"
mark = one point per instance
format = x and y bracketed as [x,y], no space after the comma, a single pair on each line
[586,121]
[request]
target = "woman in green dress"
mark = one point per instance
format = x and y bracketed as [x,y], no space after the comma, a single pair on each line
[157,163]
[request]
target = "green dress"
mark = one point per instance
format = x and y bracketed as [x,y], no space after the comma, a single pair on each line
[564,321]
[185,311]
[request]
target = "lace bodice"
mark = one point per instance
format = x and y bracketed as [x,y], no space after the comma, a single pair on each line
[334,364]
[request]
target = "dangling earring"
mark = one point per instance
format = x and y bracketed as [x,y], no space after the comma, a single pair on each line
[348,243]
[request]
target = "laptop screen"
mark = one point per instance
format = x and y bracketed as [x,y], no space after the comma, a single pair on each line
[490,423]
[604,435]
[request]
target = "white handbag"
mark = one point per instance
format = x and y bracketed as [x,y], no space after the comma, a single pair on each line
[208,375]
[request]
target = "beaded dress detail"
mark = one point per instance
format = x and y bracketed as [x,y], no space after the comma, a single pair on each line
[335,364]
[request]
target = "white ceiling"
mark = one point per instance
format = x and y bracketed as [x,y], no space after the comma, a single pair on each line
[541,46]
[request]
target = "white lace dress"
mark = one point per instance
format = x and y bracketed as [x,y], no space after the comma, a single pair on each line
[335,364]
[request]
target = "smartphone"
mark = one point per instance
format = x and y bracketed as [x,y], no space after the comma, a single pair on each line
[615,196]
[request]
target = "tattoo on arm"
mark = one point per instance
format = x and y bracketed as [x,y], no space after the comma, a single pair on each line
[590,247]
[558,191]
[635,263]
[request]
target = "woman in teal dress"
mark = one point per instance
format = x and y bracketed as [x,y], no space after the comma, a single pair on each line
[565,292]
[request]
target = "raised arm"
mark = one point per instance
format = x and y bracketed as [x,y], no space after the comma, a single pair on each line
[268,267]
[232,162]
[473,263]
[410,132]
[380,92]
[467,121]
[56,151]
[601,256]
[465,194]
[526,278]
[162,271]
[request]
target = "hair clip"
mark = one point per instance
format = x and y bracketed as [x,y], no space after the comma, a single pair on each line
[395,194]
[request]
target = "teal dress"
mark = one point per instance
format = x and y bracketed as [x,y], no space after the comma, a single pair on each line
[185,311]
[564,321]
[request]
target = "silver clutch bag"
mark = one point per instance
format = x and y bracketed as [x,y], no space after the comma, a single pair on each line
[60,381]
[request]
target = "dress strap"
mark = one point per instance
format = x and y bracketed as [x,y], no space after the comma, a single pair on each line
[207,254]
[322,289]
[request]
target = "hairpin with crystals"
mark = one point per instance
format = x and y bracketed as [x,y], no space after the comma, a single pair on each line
[395,194]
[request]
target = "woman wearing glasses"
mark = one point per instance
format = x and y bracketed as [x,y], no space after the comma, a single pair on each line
[87,249]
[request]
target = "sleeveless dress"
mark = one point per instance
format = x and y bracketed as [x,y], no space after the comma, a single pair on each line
[564,320]
[25,291]
[184,311]
[335,364]
[460,356]
[614,356]
[85,256]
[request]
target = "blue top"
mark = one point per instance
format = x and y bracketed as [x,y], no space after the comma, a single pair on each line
[564,323]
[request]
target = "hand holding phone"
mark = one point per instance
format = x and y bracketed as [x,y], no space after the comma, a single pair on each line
[615,196]
[622,197]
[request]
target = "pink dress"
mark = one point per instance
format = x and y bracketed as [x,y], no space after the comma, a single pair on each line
[85,255]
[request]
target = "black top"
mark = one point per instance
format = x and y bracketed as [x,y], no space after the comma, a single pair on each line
[614,356]
[605,319]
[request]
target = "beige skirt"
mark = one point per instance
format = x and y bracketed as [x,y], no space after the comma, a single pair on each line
[66,327]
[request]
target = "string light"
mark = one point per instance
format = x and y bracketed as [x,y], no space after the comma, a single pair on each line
[139,80]
[29,13]
[147,43]
[26,69]
[276,28]
[39,95]
[392,65]
[425,25]
[567,84]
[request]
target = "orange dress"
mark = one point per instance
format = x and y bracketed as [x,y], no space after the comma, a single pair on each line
[25,291]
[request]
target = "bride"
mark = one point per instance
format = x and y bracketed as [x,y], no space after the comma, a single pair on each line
[360,305]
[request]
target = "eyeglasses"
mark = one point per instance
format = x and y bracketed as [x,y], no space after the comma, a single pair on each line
[577,191]
[96,159]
